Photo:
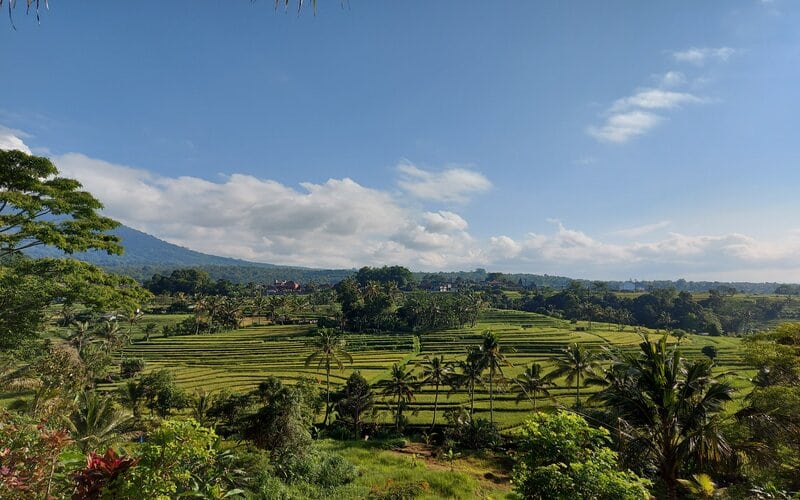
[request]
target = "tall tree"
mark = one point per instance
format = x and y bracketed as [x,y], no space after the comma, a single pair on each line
[470,374]
[329,348]
[531,383]
[435,372]
[355,398]
[37,207]
[670,407]
[492,357]
[576,364]
[400,385]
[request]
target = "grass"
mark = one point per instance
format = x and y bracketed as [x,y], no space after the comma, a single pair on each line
[413,469]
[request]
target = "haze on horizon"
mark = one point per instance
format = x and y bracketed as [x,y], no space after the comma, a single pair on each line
[602,141]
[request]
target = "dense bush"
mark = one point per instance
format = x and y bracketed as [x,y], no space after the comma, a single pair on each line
[130,367]
[562,457]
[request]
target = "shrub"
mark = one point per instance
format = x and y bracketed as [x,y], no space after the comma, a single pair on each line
[130,367]
[326,470]
[477,434]
[561,456]
[394,443]
[398,491]
[179,459]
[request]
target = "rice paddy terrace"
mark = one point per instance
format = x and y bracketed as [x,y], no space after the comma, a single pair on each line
[238,360]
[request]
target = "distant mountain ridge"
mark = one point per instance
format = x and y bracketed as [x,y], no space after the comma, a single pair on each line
[142,249]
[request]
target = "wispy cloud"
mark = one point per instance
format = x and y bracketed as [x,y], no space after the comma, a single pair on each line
[633,232]
[672,79]
[621,127]
[449,185]
[654,99]
[701,55]
[634,115]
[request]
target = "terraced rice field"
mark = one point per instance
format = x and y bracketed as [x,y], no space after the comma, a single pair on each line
[239,360]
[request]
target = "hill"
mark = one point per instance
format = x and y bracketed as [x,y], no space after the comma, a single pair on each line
[146,255]
[142,249]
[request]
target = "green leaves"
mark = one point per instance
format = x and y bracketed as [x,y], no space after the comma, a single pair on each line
[561,456]
[39,208]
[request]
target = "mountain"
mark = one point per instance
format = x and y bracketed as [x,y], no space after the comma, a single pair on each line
[142,249]
[146,255]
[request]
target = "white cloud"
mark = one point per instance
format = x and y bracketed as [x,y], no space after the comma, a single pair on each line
[13,139]
[449,185]
[700,56]
[672,79]
[731,256]
[654,99]
[337,223]
[632,116]
[622,127]
[633,232]
[504,247]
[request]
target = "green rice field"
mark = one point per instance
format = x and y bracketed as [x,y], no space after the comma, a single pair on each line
[238,360]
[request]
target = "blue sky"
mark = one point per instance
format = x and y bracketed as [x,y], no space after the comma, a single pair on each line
[605,140]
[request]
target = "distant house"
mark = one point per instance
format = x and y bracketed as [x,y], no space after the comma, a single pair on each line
[286,286]
[628,286]
[442,287]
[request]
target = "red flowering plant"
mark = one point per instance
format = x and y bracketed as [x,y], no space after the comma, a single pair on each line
[100,472]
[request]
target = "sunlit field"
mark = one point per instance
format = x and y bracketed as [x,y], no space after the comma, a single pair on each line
[238,360]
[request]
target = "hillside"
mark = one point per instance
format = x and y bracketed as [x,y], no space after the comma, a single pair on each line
[142,249]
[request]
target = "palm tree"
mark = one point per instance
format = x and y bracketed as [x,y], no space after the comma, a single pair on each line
[328,348]
[435,371]
[132,316]
[670,407]
[201,404]
[80,332]
[576,365]
[400,385]
[492,357]
[531,383]
[96,421]
[132,396]
[471,373]
[110,332]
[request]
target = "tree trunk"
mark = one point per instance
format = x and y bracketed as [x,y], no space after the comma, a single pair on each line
[471,399]
[327,393]
[435,404]
[491,396]
[399,414]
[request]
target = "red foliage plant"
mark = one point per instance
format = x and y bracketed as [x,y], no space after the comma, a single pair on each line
[100,471]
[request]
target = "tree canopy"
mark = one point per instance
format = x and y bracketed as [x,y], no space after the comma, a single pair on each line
[37,207]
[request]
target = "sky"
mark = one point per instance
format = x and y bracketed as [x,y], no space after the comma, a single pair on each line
[599,140]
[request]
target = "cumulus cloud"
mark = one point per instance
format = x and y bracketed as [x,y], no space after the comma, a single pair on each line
[701,55]
[449,185]
[13,139]
[336,223]
[622,127]
[732,256]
